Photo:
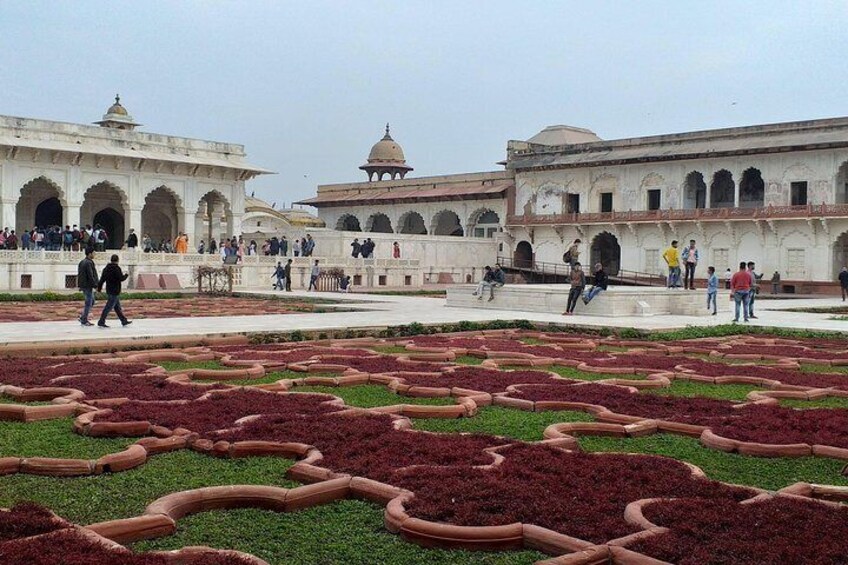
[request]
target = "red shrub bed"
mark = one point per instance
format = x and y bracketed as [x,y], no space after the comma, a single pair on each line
[479,378]
[367,446]
[785,376]
[135,387]
[787,351]
[382,364]
[220,410]
[782,425]
[777,531]
[26,519]
[509,345]
[577,494]
[71,547]
[639,361]
[696,410]
[39,371]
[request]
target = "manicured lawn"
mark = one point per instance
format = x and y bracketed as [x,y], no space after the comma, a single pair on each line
[54,438]
[468,360]
[693,388]
[572,373]
[347,531]
[389,349]
[369,396]
[183,365]
[828,402]
[497,420]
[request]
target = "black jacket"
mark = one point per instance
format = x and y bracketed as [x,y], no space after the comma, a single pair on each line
[843,278]
[601,279]
[132,240]
[86,274]
[112,277]
[287,270]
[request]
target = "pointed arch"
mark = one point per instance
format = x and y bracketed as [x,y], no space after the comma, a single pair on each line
[483,222]
[694,191]
[447,222]
[606,250]
[348,222]
[723,190]
[41,203]
[379,223]
[105,204]
[752,189]
[214,217]
[412,222]
[160,217]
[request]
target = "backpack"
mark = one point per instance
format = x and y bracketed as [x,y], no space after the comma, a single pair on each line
[68,237]
[566,257]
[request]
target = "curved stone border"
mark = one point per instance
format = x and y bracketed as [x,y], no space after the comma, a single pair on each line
[131,457]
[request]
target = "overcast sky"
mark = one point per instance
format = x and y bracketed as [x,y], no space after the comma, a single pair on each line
[307,87]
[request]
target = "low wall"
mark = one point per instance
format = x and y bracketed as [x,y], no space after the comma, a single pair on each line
[56,270]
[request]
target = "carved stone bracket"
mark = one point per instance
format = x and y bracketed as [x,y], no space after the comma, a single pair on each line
[813,225]
[772,227]
[761,230]
[560,231]
[631,227]
[731,228]
[825,226]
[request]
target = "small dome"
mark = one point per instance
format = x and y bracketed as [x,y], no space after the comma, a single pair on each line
[116,108]
[386,150]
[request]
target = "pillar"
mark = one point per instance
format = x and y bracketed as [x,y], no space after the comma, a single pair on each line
[134,222]
[71,214]
[736,182]
[8,213]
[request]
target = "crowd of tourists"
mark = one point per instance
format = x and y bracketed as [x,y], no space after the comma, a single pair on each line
[55,238]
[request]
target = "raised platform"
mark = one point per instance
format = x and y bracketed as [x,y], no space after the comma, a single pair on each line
[614,302]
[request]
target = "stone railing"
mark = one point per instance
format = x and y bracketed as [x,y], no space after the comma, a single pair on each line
[697,214]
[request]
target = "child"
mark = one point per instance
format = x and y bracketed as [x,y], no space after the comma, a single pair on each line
[712,288]
[727,276]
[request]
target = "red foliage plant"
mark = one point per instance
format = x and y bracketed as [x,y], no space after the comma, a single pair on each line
[783,425]
[785,376]
[300,354]
[381,364]
[39,371]
[788,351]
[479,378]
[776,531]
[577,494]
[367,445]
[220,410]
[137,387]
[26,519]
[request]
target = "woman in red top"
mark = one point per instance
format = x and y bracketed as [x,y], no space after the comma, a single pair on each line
[396,250]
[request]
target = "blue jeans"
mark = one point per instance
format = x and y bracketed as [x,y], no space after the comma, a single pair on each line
[752,296]
[112,301]
[673,277]
[89,303]
[741,299]
[592,293]
[711,298]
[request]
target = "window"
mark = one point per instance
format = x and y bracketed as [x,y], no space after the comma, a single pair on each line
[721,260]
[573,204]
[70,281]
[381,280]
[652,260]
[26,281]
[407,280]
[357,280]
[798,193]
[654,199]
[796,263]
[606,202]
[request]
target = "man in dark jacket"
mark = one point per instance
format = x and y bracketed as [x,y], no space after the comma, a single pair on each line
[132,240]
[87,280]
[112,277]
[287,275]
[600,280]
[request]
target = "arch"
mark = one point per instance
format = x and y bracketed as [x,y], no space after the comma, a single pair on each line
[214,218]
[101,197]
[752,189]
[160,217]
[694,191]
[842,184]
[412,223]
[113,222]
[41,199]
[483,222]
[523,255]
[447,222]
[840,254]
[378,223]
[348,222]
[722,190]
[606,251]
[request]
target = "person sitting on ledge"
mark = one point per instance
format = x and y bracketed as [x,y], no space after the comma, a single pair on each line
[491,279]
[344,284]
[484,284]
[600,280]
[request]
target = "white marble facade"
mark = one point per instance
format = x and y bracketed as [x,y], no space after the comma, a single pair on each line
[56,173]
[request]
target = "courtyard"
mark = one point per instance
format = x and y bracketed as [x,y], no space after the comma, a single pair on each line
[395,444]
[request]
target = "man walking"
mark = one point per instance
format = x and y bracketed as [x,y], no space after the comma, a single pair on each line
[843,282]
[740,288]
[690,259]
[280,273]
[112,277]
[712,289]
[287,275]
[578,283]
[755,289]
[313,277]
[672,259]
[87,280]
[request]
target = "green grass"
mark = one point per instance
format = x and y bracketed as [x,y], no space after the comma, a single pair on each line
[85,500]
[692,388]
[509,422]
[613,348]
[54,438]
[763,472]
[827,402]
[183,365]
[533,341]
[468,360]
[347,531]
[572,373]
[810,368]
[267,378]
[5,399]
[369,396]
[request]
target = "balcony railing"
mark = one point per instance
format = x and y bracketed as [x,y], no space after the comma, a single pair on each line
[764,213]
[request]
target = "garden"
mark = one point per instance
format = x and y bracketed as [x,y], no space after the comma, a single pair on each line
[505,446]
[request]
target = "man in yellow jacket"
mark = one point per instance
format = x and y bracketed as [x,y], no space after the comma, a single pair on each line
[672,259]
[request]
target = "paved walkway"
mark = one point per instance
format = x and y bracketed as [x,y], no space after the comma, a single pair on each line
[381,311]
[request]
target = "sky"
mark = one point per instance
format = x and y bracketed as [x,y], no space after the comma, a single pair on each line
[307,87]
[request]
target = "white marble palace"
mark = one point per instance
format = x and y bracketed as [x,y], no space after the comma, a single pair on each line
[56,173]
[775,194]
